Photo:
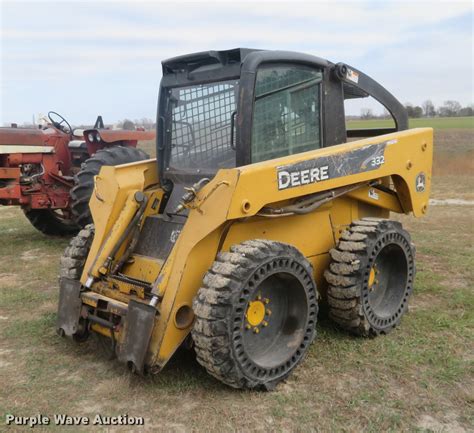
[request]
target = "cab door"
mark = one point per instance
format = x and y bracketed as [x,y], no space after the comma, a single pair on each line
[286,111]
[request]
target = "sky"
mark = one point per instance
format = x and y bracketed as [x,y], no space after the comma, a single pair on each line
[87,58]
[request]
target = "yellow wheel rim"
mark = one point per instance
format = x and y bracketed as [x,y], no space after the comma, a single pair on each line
[372,277]
[255,313]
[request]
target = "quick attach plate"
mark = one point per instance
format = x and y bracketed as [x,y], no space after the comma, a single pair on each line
[139,324]
[69,308]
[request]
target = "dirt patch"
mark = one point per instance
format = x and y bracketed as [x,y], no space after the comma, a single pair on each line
[31,254]
[423,302]
[450,425]
[451,202]
[89,407]
[8,279]
[3,355]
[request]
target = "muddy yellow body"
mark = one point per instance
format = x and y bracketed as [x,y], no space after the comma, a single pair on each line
[226,211]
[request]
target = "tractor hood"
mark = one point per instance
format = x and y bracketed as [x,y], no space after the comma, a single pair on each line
[23,136]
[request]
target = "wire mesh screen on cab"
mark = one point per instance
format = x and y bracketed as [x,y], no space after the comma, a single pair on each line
[201,118]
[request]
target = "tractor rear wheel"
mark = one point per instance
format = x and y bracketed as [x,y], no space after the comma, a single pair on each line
[84,180]
[51,222]
[371,276]
[255,314]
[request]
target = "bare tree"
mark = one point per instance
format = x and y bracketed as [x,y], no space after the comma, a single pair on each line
[126,124]
[450,109]
[429,109]
[417,112]
[467,111]
[366,113]
[146,123]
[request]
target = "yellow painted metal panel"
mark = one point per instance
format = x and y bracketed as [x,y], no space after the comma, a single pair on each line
[236,196]
[407,154]
[143,268]
[113,187]
[310,233]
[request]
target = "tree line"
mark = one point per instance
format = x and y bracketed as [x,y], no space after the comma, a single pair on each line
[427,109]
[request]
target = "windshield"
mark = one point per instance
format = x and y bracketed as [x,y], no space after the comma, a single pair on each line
[201,118]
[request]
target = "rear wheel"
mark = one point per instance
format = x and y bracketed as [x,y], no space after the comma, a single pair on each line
[51,222]
[255,314]
[84,180]
[371,276]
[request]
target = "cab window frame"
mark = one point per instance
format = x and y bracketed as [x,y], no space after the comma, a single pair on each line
[317,81]
[245,108]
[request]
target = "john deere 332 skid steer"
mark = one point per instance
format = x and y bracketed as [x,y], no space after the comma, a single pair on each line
[256,209]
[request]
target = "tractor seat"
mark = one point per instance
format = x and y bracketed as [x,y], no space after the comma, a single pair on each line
[78,133]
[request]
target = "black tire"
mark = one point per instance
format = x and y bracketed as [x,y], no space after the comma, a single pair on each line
[84,180]
[371,277]
[51,222]
[75,255]
[226,343]
[71,266]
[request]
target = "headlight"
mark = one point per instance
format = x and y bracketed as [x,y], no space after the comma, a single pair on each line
[90,137]
[97,136]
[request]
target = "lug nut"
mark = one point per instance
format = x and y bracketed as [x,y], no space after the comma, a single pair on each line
[256,330]
[264,323]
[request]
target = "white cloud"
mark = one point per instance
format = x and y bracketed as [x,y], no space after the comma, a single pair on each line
[95,43]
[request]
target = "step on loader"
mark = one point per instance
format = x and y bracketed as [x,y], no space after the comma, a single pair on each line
[257,208]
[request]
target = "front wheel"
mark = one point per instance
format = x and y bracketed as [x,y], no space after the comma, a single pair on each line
[255,314]
[371,277]
[71,267]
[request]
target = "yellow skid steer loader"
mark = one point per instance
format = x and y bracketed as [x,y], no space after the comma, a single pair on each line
[256,209]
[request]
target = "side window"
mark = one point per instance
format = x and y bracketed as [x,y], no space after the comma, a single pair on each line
[286,112]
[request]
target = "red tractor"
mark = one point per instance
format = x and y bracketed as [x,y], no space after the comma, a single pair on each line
[49,172]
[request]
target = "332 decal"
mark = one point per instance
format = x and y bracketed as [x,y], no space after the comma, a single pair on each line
[377,161]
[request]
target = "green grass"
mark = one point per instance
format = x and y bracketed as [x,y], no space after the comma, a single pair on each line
[423,369]
[436,123]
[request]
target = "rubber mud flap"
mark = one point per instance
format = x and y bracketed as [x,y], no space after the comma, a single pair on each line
[139,324]
[69,308]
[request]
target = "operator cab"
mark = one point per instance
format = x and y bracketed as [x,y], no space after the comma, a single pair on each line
[222,109]
[225,109]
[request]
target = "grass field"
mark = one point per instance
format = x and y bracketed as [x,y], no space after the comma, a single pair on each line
[435,122]
[419,378]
